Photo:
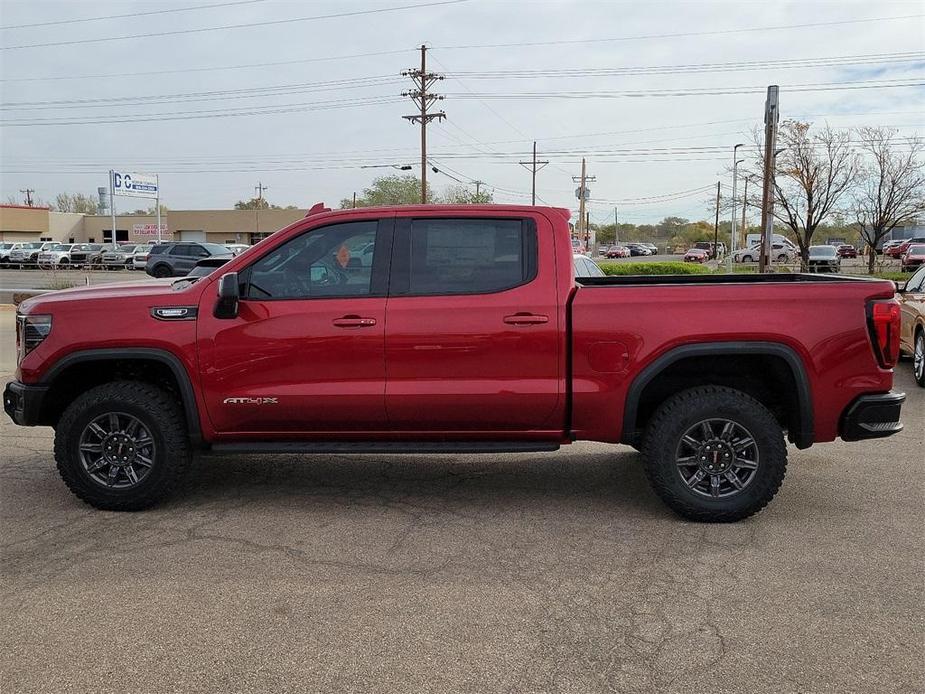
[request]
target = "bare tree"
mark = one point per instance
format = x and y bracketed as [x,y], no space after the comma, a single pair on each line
[892,190]
[814,174]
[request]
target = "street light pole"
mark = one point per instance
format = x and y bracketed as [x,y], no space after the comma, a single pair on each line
[732,239]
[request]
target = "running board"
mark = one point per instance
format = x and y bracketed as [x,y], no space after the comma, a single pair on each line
[391,447]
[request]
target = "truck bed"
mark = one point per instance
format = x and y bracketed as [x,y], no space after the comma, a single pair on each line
[743,278]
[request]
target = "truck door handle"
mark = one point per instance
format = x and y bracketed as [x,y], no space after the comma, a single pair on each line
[354,322]
[526,319]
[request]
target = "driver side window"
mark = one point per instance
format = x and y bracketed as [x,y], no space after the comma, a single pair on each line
[328,262]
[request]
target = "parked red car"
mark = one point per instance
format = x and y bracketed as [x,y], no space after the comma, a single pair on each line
[846,250]
[913,257]
[618,252]
[898,251]
[466,332]
[696,255]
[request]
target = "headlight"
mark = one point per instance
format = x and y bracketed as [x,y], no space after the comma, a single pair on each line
[30,331]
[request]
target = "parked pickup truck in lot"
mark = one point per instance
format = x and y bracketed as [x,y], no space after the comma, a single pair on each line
[466,332]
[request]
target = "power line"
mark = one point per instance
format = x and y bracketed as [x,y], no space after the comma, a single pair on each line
[585,72]
[246,25]
[205,69]
[644,37]
[708,91]
[251,92]
[209,113]
[131,14]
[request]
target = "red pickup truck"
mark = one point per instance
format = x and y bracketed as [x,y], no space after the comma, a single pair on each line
[434,329]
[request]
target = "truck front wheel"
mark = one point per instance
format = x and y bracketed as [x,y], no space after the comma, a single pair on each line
[714,454]
[122,446]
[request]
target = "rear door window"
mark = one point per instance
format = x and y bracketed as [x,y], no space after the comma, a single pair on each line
[468,256]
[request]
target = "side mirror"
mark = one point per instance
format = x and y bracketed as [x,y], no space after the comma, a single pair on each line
[900,287]
[228,295]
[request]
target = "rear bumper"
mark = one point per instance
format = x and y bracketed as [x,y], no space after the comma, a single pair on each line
[23,403]
[873,417]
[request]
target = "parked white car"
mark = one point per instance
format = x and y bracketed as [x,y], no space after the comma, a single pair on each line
[780,253]
[57,255]
[28,253]
[140,257]
[5,250]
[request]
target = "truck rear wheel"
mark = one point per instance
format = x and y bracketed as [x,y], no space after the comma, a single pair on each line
[714,454]
[122,446]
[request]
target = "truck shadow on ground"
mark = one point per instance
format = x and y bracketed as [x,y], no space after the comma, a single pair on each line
[613,476]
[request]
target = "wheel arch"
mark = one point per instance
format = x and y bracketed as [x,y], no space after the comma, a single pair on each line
[149,364]
[646,390]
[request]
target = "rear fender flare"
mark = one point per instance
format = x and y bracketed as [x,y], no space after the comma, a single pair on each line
[802,438]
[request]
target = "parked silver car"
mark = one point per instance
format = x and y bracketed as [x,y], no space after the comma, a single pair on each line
[824,259]
[121,258]
[28,253]
[55,256]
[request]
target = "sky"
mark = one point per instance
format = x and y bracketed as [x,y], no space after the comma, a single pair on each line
[305,97]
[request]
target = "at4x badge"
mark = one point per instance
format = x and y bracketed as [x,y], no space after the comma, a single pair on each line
[251,401]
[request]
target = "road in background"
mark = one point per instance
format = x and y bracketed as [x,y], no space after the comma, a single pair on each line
[518,573]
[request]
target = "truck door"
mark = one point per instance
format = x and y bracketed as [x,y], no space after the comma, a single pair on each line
[306,352]
[473,340]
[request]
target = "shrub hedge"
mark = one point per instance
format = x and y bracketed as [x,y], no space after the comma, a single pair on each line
[665,267]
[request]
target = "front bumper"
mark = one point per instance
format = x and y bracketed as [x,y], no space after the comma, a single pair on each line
[873,417]
[23,403]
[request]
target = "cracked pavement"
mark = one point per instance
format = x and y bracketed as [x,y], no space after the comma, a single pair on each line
[509,573]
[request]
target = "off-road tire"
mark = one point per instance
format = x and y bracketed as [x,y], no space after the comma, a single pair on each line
[685,409]
[163,417]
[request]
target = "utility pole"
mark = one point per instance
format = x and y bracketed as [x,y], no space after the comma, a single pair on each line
[582,194]
[354,200]
[735,177]
[744,205]
[478,185]
[259,188]
[28,193]
[423,99]
[716,227]
[771,117]
[533,166]
[616,226]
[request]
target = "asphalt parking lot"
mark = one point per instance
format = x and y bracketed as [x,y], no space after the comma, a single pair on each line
[515,573]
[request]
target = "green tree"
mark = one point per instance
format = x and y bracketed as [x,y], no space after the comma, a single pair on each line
[254,204]
[75,202]
[390,190]
[152,210]
[464,195]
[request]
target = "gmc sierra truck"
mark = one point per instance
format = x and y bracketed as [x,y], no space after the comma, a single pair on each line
[450,329]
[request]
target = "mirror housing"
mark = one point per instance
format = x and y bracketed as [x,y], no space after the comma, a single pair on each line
[228,295]
[900,286]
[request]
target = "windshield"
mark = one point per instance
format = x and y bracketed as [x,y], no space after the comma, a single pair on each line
[822,250]
[60,247]
[215,248]
[126,249]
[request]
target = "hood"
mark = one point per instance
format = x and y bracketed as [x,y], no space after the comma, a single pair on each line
[119,290]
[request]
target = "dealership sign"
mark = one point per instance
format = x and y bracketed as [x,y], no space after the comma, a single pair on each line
[149,230]
[136,185]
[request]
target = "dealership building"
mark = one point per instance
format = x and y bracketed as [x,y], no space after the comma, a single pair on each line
[20,223]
